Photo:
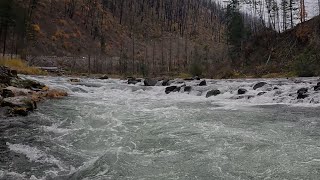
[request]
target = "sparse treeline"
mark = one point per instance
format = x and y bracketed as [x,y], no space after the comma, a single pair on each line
[156,36]
[170,30]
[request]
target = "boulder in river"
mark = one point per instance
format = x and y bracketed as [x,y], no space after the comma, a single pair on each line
[132,80]
[187,89]
[26,84]
[150,82]
[165,82]
[317,88]
[302,93]
[172,89]
[214,92]
[19,102]
[242,91]
[13,91]
[259,85]
[261,93]
[203,83]
[103,77]
[74,80]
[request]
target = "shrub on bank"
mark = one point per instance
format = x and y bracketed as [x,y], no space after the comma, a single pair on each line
[21,66]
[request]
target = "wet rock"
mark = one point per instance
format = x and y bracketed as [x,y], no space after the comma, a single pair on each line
[103,77]
[192,78]
[13,91]
[4,112]
[132,80]
[302,93]
[172,89]
[242,91]
[150,82]
[261,93]
[74,80]
[275,88]
[18,111]
[56,93]
[243,97]
[259,85]
[26,84]
[165,82]
[188,79]
[196,78]
[7,93]
[317,88]
[203,83]
[19,102]
[77,89]
[214,92]
[187,89]
[5,75]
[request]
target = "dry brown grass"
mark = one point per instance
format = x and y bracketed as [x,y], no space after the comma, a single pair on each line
[21,66]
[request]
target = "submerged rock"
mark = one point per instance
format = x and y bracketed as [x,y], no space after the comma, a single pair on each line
[242,91]
[187,89]
[259,85]
[261,93]
[150,82]
[302,93]
[203,83]
[74,80]
[214,92]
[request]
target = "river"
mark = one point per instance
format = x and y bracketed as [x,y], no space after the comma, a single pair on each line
[107,129]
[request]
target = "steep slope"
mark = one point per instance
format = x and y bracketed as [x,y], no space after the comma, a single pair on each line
[130,36]
[294,51]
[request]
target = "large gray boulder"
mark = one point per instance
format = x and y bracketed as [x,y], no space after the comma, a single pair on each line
[172,89]
[150,82]
[214,92]
[259,85]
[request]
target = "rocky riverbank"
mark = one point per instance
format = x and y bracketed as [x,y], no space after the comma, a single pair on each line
[20,96]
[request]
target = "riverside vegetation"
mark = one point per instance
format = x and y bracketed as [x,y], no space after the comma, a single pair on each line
[19,96]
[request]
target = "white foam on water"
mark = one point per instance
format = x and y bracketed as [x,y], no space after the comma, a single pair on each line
[35,155]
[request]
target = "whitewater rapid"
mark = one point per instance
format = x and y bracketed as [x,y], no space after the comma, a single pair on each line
[107,129]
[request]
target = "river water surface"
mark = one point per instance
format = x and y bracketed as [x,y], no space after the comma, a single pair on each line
[107,129]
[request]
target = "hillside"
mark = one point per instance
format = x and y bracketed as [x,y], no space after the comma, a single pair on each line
[129,37]
[294,51]
[155,38]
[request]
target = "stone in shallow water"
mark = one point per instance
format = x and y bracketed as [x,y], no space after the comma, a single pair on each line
[242,91]
[261,93]
[302,93]
[259,85]
[203,83]
[150,82]
[172,89]
[187,89]
[214,92]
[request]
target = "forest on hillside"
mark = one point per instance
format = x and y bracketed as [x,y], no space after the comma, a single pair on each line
[162,37]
